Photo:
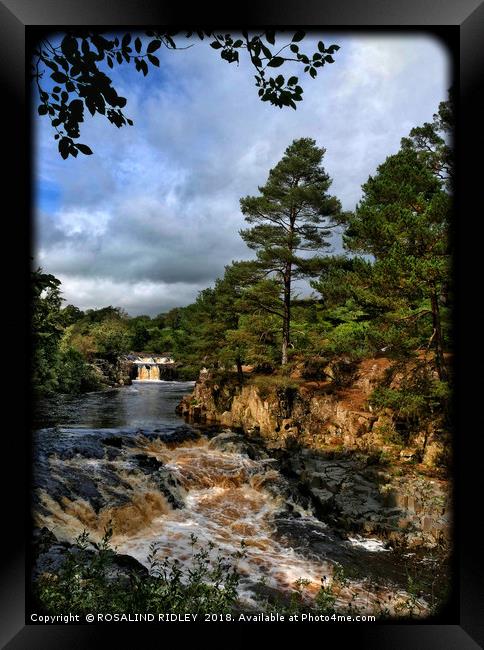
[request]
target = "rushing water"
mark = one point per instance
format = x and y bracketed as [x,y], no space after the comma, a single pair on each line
[124,455]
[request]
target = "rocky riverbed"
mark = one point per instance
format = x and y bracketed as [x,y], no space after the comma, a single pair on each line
[156,479]
[336,448]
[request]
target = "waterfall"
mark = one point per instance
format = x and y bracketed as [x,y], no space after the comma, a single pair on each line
[154,372]
[148,372]
[151,367]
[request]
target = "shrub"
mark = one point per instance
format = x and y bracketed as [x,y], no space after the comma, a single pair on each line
[75,375]
[417,398]
[349,339]
[419,402]
[87,583]
[187,373]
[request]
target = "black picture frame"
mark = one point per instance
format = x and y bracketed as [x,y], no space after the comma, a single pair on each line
[462,21]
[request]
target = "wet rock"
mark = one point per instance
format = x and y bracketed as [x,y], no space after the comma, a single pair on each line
[43,479]
[282,486]
[147,464]
[171,487]
[311,539]
[50,556]
[114,441]
[408,510]
[112,454]
[324,499]
[177,435]
[348,493]
[67,444]
[73,484]
[162,478]
[80,486]
[86,448]
[233,443]
[108,476]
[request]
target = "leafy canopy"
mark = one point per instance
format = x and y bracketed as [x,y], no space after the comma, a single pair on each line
[402,226]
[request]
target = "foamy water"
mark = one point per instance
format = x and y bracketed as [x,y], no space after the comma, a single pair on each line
[228,505]
[229,500]
[369,544]
[225,506]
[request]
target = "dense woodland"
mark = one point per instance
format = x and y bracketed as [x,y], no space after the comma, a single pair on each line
[389,293]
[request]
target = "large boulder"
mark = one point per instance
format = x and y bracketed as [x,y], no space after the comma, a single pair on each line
[234,443]
[50,556]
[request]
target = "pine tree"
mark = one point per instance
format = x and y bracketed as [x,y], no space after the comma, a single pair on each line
[403,222]
[292,218]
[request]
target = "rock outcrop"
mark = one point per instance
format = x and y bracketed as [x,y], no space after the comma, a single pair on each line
[313,414]
[357,495]
[338,449]
[114,373]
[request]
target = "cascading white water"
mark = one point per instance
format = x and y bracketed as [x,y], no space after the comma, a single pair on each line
[148,372]
[149,367]
[155,488]
[227,502]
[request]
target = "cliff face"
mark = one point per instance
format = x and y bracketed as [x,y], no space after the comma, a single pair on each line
[313,414]
[339,449]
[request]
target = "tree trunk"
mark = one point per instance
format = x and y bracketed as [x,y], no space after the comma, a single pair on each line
[240,374]
[286,323]
[439,344]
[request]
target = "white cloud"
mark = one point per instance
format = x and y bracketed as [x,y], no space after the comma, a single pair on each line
[157,205]
[78,221]
[135,297]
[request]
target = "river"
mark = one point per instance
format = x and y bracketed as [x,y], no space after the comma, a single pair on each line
[125,456]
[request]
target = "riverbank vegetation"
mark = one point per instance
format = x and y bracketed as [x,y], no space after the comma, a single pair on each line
[92,578]
[90,581]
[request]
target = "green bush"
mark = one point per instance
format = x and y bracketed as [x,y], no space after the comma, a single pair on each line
[111,337]
[187,373]
[349,339]
[75,375]
[418,396]
[86,582]
[417,401]
[404,402]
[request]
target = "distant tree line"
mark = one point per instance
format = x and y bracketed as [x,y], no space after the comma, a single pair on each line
[67,341]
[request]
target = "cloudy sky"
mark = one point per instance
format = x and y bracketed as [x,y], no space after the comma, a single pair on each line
[153,216]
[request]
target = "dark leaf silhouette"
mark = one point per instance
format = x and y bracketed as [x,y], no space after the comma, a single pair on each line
[83,148]
[79,61]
